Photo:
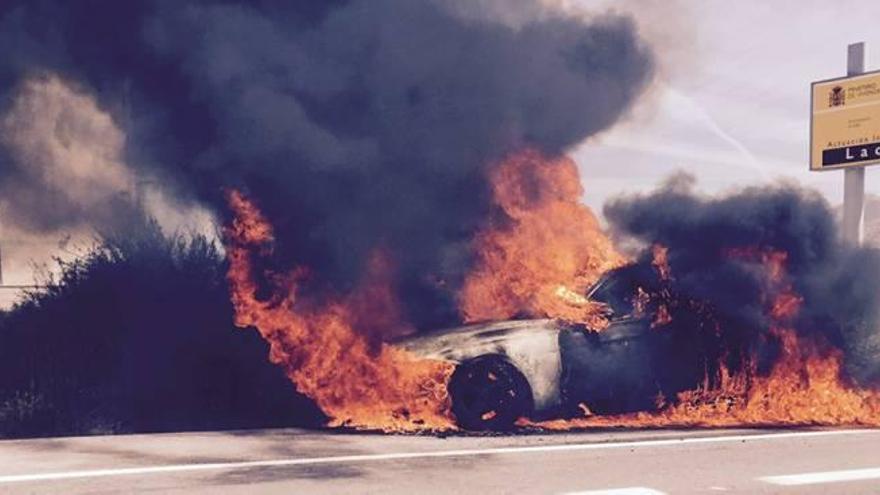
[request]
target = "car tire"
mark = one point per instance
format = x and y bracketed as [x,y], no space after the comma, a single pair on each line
[489,393]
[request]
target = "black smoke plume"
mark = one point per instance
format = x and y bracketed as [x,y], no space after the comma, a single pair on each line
[354,124]
[838,284]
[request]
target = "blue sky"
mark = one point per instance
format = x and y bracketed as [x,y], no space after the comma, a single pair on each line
[731,100]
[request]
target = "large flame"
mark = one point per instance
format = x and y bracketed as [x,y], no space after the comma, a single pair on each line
[535,259]
[322,345]
[542,253]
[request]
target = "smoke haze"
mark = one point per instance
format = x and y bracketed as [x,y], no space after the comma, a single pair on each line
[839,284]
[355,125]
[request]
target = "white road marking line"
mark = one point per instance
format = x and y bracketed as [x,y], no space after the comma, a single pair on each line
[226,466]
[823,477]
[636,490]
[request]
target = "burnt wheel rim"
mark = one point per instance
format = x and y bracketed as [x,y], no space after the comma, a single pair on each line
[489,393]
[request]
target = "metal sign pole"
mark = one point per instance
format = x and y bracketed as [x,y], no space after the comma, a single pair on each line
[854,177]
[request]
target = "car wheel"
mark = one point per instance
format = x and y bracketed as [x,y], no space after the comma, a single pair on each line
[489,393]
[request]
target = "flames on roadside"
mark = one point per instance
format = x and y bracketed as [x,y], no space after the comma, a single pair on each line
[535,258]
[806,385]
[318,344]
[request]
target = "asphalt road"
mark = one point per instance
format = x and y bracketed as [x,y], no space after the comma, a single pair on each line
[306,462]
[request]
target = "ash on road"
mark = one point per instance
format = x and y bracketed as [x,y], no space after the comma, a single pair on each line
[297,461]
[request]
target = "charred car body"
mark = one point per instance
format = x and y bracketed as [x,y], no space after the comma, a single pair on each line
[654,346]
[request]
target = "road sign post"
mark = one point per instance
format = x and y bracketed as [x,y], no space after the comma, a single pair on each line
[854,177]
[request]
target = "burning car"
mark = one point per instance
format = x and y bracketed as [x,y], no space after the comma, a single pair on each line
[541,368]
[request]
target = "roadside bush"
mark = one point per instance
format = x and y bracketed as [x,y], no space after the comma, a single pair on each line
[137,336]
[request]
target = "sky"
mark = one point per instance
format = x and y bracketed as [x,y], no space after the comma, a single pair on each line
[731,100]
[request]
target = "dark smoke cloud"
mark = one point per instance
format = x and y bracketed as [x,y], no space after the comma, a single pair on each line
[839,284]
[354,124]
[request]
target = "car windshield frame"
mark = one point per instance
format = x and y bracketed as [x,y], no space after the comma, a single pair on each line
[618,291]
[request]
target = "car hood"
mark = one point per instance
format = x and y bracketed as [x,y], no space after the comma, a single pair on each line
[460,343]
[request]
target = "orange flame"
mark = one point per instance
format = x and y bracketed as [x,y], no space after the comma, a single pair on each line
[355,383]
[535,259]
[804,387]
[540,256]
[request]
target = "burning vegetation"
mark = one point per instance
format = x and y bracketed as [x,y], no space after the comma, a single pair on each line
[320,342]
